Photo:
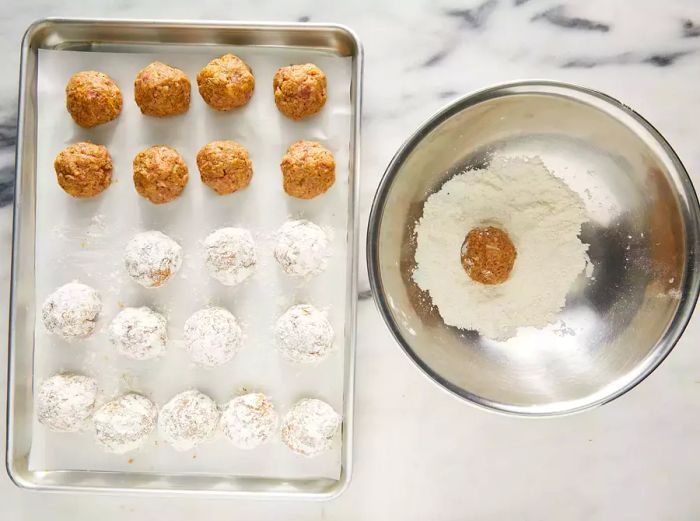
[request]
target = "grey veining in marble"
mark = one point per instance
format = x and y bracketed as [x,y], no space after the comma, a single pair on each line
[8,140]
[421,454]
[557,16]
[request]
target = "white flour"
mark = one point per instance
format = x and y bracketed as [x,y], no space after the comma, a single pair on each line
[543,218]
[303,334]
[125,423]
[71,311]
[65,402]
[139,333]
[249,421]
[230,254]
[309,427]
[302,248]
[212,336]
[188,419]
[151,258]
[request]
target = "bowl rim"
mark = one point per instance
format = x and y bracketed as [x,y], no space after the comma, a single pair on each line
[690,208]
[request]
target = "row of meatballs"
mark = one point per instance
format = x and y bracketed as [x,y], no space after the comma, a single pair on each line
[68,402]
[225,83]
[160,173]
[212,336]
[301,249]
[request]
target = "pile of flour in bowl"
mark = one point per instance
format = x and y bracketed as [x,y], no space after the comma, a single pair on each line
[543,218]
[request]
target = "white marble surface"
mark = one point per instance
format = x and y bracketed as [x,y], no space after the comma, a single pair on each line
[421,454]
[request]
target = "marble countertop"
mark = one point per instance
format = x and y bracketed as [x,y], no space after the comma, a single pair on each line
[420,453]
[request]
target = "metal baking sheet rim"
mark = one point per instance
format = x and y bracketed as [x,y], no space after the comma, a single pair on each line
[19,377]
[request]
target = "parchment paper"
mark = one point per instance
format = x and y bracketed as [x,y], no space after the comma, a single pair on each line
[84,240]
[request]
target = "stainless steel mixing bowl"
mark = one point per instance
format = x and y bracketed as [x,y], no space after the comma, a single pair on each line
[643,232]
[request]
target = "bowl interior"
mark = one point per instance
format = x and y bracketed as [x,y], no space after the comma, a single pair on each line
[618,325]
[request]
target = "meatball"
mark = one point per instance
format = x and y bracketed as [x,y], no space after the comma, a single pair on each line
[224,166]
[83,169]
[152,258]
[488,255]
[249,421]
[71,311]
[309,427]
[66,401]
[188,419]
[231,256]
[303,334]
[139,333]
[161,90]
[212,336]
[125,423]
[300,90]
[302,248]
[308,169]
[160,174]
[92,98]
[226,83]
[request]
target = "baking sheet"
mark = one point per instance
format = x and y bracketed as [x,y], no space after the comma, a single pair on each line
[84,240]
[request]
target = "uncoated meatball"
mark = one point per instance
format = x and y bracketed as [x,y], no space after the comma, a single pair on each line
[161,90]
[488,255]
[160,174]
[83,169]
[300,90]
[224,166]
[226,83]
[308,169]
[92,98]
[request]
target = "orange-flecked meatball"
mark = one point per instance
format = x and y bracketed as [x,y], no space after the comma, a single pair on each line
[92,98]
[83,169]
[488,255]
[161,90]
[160,174]
[308,169]
[300,90]
[226,83]
[224,166]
